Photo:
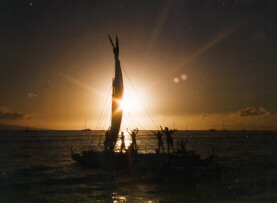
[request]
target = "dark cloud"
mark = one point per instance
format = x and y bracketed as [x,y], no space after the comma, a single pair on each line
[11,116]
[206,115]
[253,111]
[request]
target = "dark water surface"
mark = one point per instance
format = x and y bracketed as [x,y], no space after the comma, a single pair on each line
[37,167]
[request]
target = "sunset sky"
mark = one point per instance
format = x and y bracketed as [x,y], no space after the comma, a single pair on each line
[200,62]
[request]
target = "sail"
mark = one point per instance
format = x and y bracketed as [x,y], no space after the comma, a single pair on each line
[117,96]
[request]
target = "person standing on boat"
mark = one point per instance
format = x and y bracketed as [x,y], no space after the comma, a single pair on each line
[107,140]
[169,138]
[122,142]
[160,140]
[133,134]
[183,145]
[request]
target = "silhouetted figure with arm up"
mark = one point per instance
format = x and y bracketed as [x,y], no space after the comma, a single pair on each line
[133,134]
[169,138]
[160,140]
[122,142]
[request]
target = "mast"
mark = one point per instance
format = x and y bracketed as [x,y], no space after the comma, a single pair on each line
[117,95]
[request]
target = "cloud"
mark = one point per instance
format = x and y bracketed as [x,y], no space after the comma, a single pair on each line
[6,114]
[253,111]
[12,116]
[206,115]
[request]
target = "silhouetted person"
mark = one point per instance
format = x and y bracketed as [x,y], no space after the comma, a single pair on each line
[132,155]
[133,134]
[183,146]
[122,142]
[160,140]
[107,140]
[169,138]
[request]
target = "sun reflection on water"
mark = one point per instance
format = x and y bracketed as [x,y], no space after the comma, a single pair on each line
[118,198]
[127,139]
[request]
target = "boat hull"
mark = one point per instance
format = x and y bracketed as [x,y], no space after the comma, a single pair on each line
[161,165]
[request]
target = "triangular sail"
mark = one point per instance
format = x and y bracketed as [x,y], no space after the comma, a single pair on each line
[117,96]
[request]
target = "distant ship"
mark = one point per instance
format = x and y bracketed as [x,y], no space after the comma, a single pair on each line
[186,129]
[86,129]
[27,130]
[223,129]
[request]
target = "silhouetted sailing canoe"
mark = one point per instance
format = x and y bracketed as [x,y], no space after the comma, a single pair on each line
[140,163]
[117,112]
[132,160]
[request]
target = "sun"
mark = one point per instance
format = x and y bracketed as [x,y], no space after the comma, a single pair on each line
[130,103]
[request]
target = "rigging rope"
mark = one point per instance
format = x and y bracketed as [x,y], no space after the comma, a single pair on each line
[139,97]
[98,123]
[104,123]
[100,118]
[107,114]
[137,121]
[105,117]
[129,126]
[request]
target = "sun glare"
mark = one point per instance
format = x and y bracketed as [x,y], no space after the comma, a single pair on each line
[129,103]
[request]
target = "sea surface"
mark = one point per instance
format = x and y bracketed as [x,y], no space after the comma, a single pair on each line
[37,167]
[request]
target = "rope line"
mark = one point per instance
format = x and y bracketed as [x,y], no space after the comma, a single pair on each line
[139,97]
[107,115]
[137,122]
[100,118]
[98,123]
[129,119]
[104,116]
[104,123]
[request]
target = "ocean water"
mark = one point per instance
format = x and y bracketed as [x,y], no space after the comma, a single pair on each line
[37,167]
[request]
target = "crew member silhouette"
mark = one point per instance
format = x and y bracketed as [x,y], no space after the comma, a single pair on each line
[183,146]
[133,134]
[160,140]
[122,142]
[169,138]
[107,140]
